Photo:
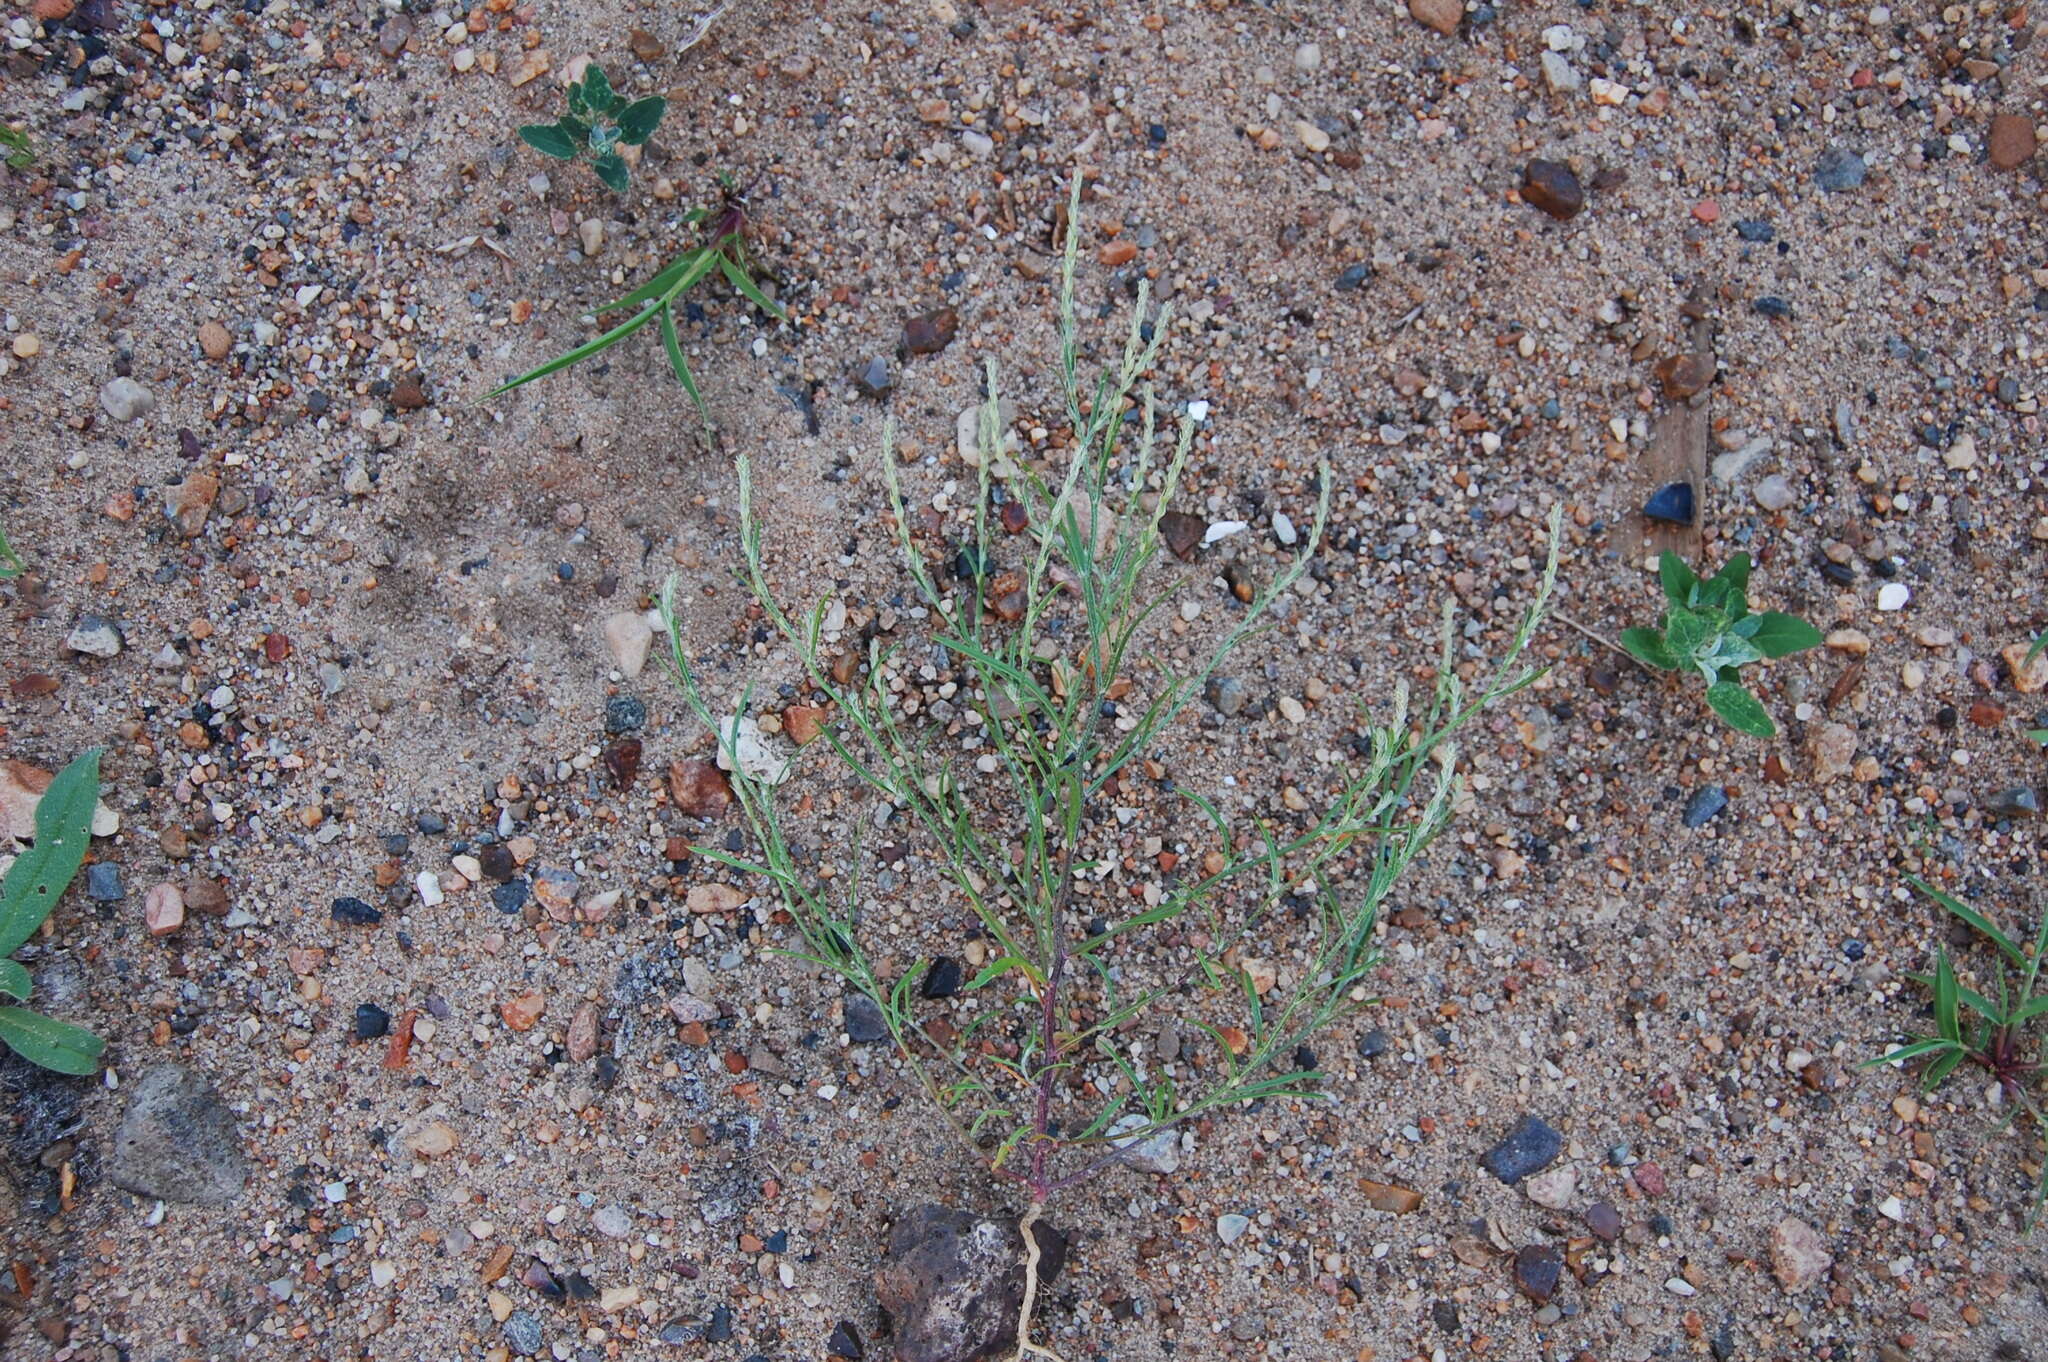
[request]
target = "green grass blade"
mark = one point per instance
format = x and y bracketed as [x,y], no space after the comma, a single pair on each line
[737,277]
[2006,945]
[579,354]
[674,345]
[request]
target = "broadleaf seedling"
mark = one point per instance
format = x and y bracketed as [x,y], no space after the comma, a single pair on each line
[1709,628]
[600,121]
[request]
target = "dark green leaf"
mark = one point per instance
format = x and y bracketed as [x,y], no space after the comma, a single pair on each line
[1739,709]
[14,980]
[750,289]
[597,89]
[1946,1019]
[1735,572]
[638,120]
[1925,1045]
[611,169]
[1678,579]
[54,1045]
[1941,1068]
[2040,646]
[549,140]
[38,877]
[575,129]
[580,353]
[1647,646]
[1779,634]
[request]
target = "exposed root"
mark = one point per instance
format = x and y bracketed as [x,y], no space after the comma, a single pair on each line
[1025,1347]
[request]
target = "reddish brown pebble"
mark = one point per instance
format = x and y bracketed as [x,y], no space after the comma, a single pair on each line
[1389,1197]
[407,395]
[32,685]
[803,723]
[645,45]
[1441,15]
[1987,713]
[1551,186]
[1014,517]
[622,762]
[1183,533]
[1681,376]
[2012,141]
[1707,210]
[398,1049]
[1604,1221]
[931,332]
[1007,598]
[276,647]
[206,896]
[522,1012]
[582,1038]
[1118,252]
[214,340]
[1650,1178]
[699,788]
[495,1265]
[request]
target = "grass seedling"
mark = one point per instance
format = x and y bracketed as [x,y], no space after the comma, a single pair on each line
[599,122]
[1970,1028]
[721,249]
[1049,1082]
[2039,735]
[1708,628]
[11,565]
[28,892]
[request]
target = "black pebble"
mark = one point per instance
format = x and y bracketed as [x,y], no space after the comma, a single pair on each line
[624,714]
[354,912]
[1777,309]
[845,1342]
[1372,1044]
[720,1327]
[510,896]
[1671,503]
[496,859]
[942,980]
[372,1021]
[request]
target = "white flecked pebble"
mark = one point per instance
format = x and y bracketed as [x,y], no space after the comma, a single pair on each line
[1893,596]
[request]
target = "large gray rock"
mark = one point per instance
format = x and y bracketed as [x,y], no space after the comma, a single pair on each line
[954,1282]
[178,1141]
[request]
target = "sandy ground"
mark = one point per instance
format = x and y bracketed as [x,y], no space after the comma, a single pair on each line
[401,588]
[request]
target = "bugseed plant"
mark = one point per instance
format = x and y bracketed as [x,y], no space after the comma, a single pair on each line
[20,153]
[1709,629]
[1048,1082]
[1994,1036]
[11,565]
[28,892]
[599,122]
[723,247]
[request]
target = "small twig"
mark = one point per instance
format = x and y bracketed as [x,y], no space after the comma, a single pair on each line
[1604,642]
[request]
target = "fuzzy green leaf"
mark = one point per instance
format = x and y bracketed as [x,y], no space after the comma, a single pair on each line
[611,169]
[549,139]
[38,877]
[1686,630]
[1780,634]
[1648,647]
[1735,572]
[14,980]
[21,153]
[49,1043]
[1678,579]
[597,89]
[638,120]
[1740,710]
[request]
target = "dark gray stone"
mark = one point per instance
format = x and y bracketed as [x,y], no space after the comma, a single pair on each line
[1838,170]
[953,1283]
[1530,1147]
[1706,801]
[522,1333]
[178,1142]
[864,1023]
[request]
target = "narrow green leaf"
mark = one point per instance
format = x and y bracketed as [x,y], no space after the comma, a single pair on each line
[1946,1020]
[1647,646]
[1740,710]
[549,140]
[749,289]
[1677,578]
[1779,634]
[14,980]
[1941,1068]
[45,1041]
[611,169]
[2040,646]
[674,345]
[638,120]
[580,353]
[38,877]
[996,969]
[10,563]
[2006,945]
[1906,1054]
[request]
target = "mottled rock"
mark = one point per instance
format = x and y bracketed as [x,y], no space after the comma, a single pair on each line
[1551,186]
[1390,1197]
[953,1283]
[1681,376]
[177,1141]
[163,909]
[699,789]
[1554,1188]
[1158,1152]
[127,400]
[1706,802]
[94,637]
[1537,1271]
[189,502]
[1833,748]
[1838,170]
[864,1022]
[1799,1258]
[627,637]
[872,379]
[1182,533]
[930,332]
